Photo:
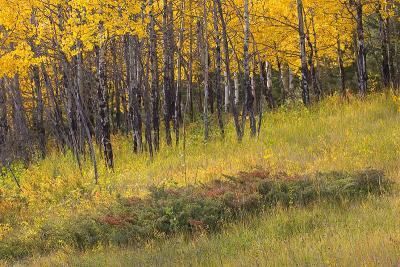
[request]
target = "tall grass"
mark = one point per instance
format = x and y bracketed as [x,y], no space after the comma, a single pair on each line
[332,136]
[365,234]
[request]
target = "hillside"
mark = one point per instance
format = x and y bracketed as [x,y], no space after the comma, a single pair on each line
[345,137]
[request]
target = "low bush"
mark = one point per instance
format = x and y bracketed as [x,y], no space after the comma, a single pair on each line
[194,208]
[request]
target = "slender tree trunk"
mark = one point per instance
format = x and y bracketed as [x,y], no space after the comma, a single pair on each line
[226,92]
[268,85]
[58,123]
[102,95]
[303,55]
[3,114]
[282,80]
[155,94]
[228,71]
[134,93]
[341,67]
[179,78]
[206,73]
[117,86]
[237,90]
[73,88]
[146,100]
[218,63]
[262,82]
[189,99]
[167,72]
[361,51]
[39,121]
[249,101]
[317,79]
[291,83]
[384,47]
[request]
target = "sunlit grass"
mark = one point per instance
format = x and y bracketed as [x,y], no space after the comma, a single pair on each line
[330,136]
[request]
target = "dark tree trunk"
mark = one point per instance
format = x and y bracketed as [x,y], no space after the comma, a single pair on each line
[39,121]
[383,32]
[206,73]
[73,89]
[341,67]
[144,85]
[249,98]
[167,74]
[179,78]
[303,55]
[134,92]
[3,113]
[189,100]
[361,51]
[21,131]
[218,63]
[102,95]
[266,73]
[117,86]
[57,120]
[228,71]
[317,79]
[155,95]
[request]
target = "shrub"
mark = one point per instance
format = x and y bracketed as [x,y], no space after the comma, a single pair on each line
[189,209]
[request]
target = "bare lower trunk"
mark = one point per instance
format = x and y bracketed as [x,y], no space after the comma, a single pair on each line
[218,63]
[3,114]
[341,67]
[206,74]
[102,95]
[39,121]
[228,71]
[236,83]
[167,74]
[179,78]
[155,94]
[361,51]
[383,32]
[303,55]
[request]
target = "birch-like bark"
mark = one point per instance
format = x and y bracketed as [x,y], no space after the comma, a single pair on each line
[303,55]
[249,98]
[218,63]
[102,96]
[206,72]
[228,71]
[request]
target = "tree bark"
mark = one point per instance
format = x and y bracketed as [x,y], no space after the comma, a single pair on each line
[228,71]
[155,94]
[383,32]
[218,63]
[179,78]
[249,98]
[361,51]
[39,121]
[167,72]
[3,113]
[102,95]
[341,67]
[206,72]
[303,55]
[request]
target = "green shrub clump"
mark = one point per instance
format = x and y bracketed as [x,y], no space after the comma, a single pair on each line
[195,208]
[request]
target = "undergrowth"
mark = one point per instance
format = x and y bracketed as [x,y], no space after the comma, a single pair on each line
[57,200]
[194,208]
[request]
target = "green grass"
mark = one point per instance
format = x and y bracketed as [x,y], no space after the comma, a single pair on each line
[364,234]
[332,136]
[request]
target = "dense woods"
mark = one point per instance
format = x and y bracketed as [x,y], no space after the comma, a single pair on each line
[75,73]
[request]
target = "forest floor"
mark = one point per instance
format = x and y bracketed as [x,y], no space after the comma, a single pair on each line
[331,136]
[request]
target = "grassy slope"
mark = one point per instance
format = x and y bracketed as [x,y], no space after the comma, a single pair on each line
[329,137]
[367,234]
